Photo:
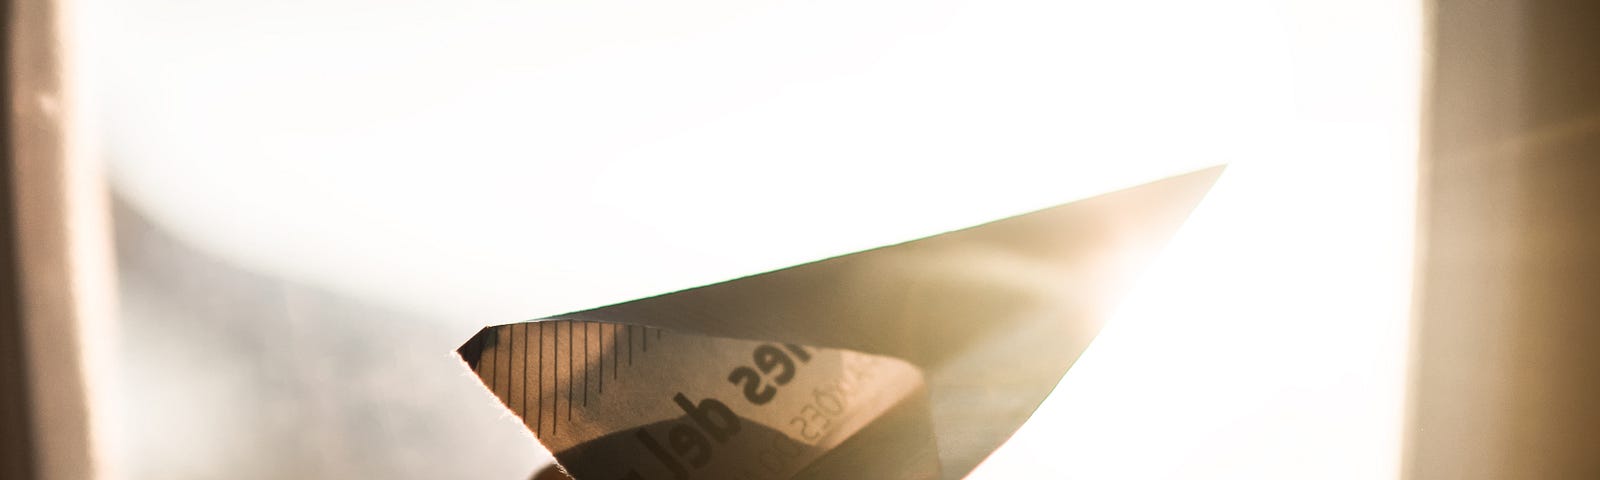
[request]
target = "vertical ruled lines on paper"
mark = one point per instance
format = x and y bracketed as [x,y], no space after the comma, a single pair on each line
[546,371]
[585,343]
[516,353]
[533,378]
[568,370]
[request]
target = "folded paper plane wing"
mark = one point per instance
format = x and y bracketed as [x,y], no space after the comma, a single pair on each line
[913,360]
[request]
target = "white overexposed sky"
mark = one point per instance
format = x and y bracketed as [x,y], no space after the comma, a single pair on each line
[484,161]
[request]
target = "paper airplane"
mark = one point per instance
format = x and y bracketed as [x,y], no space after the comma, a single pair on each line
[908,361]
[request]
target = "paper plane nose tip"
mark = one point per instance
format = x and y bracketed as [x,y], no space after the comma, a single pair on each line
[473,349]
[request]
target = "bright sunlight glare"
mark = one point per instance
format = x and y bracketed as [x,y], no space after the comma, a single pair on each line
[481,162]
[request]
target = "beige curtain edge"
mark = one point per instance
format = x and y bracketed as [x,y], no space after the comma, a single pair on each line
[62,250]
